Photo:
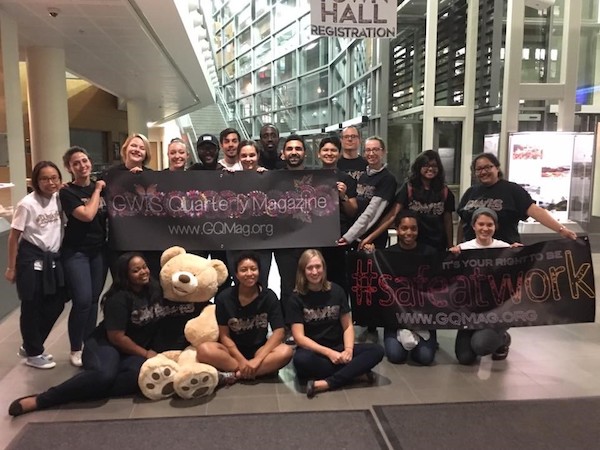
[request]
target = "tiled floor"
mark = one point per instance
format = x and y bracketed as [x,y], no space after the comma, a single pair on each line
[544,362]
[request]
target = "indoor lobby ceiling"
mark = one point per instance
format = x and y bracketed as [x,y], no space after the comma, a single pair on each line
[134,49]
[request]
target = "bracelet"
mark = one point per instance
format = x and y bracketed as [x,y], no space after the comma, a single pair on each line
[562,227]
[10,268]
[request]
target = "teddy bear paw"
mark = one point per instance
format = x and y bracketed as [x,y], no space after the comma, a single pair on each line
[196,383]
[158,382]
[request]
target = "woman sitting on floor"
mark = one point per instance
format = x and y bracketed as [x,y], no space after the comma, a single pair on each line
[322,327]
[114,353]
[244,312]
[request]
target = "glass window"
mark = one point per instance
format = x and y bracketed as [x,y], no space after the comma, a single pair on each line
[305,35]
[361,99]
[286,120]
[219,59]
[314,87]
[263,77]
[315,115]
[244,42]
[229,31]
[285,68]
[338,108]
[363,57]
[244,63]
[287,39]
[262,53]
[245,107]
[264,101]
[244,18]
[314,55]
[339,75]
[247,126]
[286,95]
[228,53]
[260,6]
[285,11]
[260,120]
[262,28]
[228,73]
[245,86]
[229,91]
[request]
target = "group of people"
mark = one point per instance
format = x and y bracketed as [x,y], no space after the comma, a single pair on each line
[51,263]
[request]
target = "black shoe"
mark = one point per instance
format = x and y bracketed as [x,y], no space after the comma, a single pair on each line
[16,409]
[502,352]
[371,378]
[310,389]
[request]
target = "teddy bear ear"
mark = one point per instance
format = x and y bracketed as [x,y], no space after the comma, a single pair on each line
[221,270]
[171,253]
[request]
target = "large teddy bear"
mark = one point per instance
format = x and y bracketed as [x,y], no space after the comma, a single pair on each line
[186,278]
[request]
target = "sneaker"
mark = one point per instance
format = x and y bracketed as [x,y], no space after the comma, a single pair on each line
[23,354]
[40,362]
[502,352]
[408,339]
[226,378]
[75,358]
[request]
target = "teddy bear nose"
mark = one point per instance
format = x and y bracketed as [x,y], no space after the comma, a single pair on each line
[184,278]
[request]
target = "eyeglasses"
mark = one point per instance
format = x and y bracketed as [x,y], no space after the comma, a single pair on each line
[53,179]
[430,167]
[350,136]
[373,149]
[486,168]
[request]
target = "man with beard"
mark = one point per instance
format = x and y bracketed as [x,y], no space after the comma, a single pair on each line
[293,154]
[207,148]
[269,141]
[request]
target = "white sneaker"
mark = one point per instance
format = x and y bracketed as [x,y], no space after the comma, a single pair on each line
[40,362]
[408,339]
[75,358]
[23,354]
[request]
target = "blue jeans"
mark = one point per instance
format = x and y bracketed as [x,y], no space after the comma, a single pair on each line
[470,344]
[423,353]
[106,373]
[315,366]
[85,275]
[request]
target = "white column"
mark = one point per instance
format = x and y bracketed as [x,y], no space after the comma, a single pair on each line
[13,106]
[137,121]
[466,154]
[429,79]
[568,66]
[513,55]
[48,111]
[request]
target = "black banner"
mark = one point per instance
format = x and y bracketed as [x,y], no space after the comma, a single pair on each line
[214,210]
[542,284]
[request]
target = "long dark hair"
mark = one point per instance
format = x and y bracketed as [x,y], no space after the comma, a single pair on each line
[437,184]
[121,277]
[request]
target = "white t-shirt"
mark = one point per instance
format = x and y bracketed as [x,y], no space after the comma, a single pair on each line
[40,220]
[473,244]
[235,166]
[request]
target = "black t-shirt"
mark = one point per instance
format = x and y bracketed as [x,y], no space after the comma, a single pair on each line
[79,235]
[170,332]
[510,202]
[248,325]
[430,206]
[345,221]
[320,312]
[354,167]
[421,249]
[138,314]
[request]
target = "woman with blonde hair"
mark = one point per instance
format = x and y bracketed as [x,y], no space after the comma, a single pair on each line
[321,324]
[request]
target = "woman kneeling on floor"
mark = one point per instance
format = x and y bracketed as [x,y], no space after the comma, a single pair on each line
[321,324]
[244,312]
[113,354]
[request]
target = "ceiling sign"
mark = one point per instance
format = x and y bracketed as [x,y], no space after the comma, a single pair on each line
[353,18]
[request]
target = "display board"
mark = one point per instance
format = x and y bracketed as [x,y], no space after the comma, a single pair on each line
[542,163]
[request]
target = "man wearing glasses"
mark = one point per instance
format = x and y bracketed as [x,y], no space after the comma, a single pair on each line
[351,162]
